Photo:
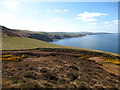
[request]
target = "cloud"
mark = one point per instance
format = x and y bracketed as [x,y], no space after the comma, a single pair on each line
[85,19]
[57,10]
[65,10]
[89,16]
[106,22]
[92,23]
[116,21]
[11,4]
[58,20]
[112,23]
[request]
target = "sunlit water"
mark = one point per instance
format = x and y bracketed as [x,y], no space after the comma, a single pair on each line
[103,42]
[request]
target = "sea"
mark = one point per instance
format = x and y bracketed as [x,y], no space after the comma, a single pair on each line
[103,42]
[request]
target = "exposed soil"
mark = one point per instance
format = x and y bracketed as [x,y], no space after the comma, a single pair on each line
[57,69]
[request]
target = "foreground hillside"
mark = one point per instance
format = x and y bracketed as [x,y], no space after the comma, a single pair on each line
[59,68]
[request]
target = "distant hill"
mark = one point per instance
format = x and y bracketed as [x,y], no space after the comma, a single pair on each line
[6,32]
[12,32]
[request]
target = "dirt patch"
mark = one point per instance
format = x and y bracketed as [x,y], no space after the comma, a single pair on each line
[112,68]
[96,59]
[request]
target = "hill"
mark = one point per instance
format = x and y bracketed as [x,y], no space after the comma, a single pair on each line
[12,33]
[6,32]
[18,43]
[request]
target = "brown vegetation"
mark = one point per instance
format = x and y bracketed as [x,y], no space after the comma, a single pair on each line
[58,68]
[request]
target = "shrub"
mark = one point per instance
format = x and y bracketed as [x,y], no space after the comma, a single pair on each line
[24,56]
[13,58]
[6,56]
[114,61]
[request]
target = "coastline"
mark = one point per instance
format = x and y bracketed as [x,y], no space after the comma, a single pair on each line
[84,35]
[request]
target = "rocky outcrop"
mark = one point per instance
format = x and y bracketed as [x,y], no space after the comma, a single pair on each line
[41,37]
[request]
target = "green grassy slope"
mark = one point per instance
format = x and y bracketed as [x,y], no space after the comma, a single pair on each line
[18,43]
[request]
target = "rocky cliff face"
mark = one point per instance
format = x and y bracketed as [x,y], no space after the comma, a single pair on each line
[41,37]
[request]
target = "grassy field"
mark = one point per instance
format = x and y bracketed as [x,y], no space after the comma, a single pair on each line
[20,43]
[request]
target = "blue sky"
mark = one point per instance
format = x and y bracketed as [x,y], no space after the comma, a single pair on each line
[59,16]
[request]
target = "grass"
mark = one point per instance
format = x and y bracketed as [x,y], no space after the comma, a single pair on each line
[18,43]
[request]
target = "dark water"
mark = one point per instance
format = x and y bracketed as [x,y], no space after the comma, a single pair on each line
[103,42]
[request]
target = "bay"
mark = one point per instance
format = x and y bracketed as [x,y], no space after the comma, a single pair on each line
[103,42]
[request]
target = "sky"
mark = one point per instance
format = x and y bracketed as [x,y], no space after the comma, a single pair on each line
[54,16]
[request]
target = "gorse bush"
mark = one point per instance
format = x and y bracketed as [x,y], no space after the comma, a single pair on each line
[13,57]
[115,61]
[6,56]
[111,60]
[24,56]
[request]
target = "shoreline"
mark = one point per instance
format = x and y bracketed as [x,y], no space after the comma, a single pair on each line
[67,38]
[83,36]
